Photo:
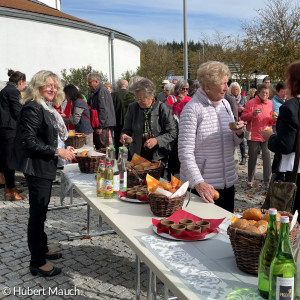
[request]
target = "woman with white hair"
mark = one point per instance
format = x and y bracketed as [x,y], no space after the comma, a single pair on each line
[235,92]
[36,151]
[206,143]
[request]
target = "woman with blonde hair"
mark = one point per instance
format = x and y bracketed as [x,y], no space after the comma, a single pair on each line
[35,154]
[206,143]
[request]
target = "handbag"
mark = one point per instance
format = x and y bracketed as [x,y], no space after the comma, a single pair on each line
[281,195]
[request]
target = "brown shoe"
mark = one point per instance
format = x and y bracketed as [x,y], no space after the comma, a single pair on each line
[14,196]
[7,190]
[2,179]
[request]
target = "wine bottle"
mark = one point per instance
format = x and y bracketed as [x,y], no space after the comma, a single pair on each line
[297,262]
[283,268]
[122,170]
[116,172]
[267,254]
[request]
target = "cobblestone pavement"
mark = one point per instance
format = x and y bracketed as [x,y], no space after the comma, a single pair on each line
[98,268]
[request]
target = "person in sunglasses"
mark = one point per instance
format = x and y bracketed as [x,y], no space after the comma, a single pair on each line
[180,98]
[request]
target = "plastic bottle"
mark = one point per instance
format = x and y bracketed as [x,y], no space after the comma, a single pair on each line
[108,182]
[283,268]
[267,254]
[116,172]
[297,262]
[100,179]
[122,170]
[107,156]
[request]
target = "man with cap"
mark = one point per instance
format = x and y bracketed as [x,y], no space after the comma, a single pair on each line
[162,97]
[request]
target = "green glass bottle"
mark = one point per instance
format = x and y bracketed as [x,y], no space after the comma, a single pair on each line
[108,181]
[267,254]
[100,179]
[283,268]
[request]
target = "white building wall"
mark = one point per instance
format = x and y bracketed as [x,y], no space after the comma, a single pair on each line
[40,46]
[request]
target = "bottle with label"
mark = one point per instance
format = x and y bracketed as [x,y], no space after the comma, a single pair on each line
[108,182]
[267,254]
[283,268]
[123,170]
[297,262]
[116,180]
[100,179]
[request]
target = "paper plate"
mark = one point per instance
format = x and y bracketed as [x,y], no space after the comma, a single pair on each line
[132,200]
[167,236]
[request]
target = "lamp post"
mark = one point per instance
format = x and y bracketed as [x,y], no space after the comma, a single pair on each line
[185,48]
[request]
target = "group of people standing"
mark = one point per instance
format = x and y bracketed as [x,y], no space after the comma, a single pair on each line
[191,134]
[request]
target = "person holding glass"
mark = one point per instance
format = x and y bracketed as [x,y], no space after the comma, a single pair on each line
[258,115]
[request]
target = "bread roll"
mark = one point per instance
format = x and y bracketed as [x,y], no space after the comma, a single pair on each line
[252,214]
[146,164]
[139,168]
[240,224]
[261,222]
[252,222]
[252,229]
[216,195]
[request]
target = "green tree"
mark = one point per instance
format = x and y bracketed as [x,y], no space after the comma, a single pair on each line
[78,77]
[274,37]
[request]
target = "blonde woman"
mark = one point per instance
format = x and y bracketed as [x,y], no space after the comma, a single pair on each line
[206,143]
[35,154]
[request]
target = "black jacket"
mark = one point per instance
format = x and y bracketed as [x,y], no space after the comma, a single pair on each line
[284,141]
[101,100]
[35,142]
[10,106]
[163,126]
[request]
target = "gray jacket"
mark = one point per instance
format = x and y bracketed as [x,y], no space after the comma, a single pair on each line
[101,100]
[206,144]
[163,125]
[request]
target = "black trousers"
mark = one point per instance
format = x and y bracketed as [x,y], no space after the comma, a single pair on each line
[226,199]
[39,197]
[7,137]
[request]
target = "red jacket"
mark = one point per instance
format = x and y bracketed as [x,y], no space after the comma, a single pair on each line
[178,107]
[257,123]
[67,112]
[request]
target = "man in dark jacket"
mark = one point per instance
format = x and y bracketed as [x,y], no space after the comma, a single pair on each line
[118,99]
[101,101]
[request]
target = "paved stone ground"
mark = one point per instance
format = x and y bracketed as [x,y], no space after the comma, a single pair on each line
[99,268]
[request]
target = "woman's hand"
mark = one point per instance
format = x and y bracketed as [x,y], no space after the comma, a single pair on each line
[66,154]
[266,134]
[123,137]
[151,143]
[239,128]
[63,115]
[205,191]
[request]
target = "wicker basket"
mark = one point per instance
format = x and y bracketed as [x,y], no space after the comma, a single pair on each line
[247,246]
[132,180]
[89,164]
[163,206]
[76,141]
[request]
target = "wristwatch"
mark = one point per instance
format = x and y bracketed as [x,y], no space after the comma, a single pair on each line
[56,152]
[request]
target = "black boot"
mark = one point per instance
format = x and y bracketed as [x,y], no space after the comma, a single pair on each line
[243,161]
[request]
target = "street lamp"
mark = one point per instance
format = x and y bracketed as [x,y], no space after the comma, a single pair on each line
[185,49]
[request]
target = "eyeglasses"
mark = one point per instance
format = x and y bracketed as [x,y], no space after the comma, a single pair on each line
[50,87]
[185,89]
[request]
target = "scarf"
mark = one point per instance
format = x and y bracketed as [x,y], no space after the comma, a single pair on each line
[238,98]
[62,130]
[147,134]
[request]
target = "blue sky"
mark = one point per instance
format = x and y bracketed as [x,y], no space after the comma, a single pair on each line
[162,20]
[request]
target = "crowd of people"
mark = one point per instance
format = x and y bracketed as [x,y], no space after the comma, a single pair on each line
[186,127]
